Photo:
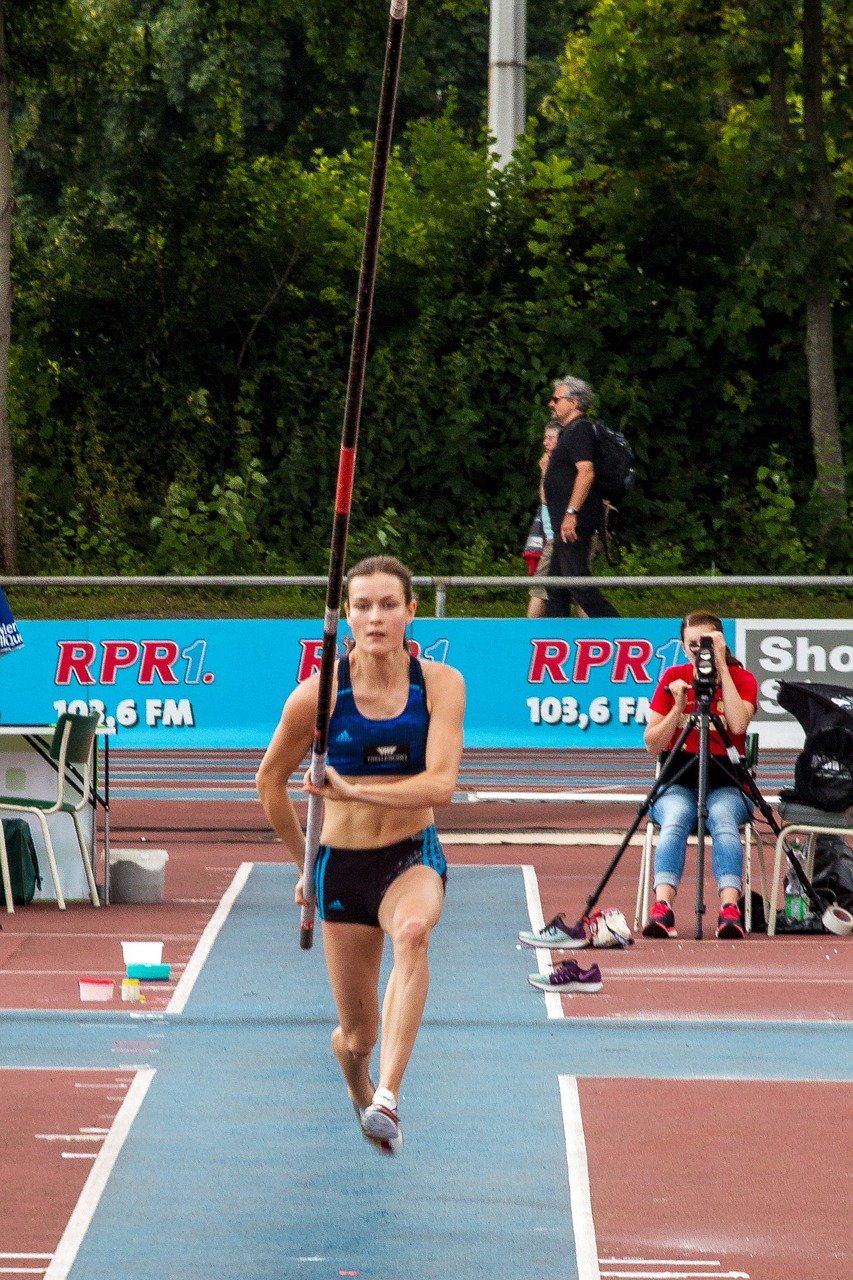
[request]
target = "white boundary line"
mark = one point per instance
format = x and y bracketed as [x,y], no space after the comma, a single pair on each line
[553,1003]
[93,1189]
[583,1227]
[183,990]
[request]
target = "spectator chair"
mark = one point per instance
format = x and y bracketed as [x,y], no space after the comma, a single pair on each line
[803,820]
[751,840]
[72,749]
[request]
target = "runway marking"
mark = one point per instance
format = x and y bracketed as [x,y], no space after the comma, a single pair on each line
[580,1199]
[553,1003]
[84,1210]
[70,1137]
[679,1275]
[183,990]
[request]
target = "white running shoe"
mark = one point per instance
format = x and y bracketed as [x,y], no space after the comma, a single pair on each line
[381,1124]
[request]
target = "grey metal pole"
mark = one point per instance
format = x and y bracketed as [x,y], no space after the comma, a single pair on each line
[507,64]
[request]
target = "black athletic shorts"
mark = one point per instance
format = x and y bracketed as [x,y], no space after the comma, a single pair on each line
[351,883]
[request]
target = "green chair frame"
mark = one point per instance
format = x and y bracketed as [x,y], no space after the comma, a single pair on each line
[73,745]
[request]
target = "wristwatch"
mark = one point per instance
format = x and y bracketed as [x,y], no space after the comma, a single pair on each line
[570,511]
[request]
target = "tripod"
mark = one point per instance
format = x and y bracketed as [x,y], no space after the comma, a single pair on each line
[674,767]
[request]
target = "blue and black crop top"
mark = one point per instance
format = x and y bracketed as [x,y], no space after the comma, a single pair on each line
[361,746]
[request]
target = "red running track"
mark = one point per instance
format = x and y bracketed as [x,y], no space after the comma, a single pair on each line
[752,1176]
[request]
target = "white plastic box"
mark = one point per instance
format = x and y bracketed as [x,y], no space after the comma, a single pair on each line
[142,952]
[96,989]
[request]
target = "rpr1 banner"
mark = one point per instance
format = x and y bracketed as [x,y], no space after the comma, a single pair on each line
[211,684]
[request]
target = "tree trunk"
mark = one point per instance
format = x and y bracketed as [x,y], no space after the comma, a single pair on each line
[826,439]
[817,224]
[8,498]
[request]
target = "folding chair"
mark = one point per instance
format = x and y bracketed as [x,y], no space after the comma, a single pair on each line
[751,839]
[72,746]
[803,820]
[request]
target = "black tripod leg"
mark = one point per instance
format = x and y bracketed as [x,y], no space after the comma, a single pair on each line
[701,819]
[663,780]
[749,787]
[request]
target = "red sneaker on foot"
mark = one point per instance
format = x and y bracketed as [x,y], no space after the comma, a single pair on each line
[730,922]
[661,922]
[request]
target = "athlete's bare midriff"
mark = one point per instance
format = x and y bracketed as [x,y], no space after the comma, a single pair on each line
[352,825]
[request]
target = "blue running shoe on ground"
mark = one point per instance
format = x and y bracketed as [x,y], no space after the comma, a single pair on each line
[556,935]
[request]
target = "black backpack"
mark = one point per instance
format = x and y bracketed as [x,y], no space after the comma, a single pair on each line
[614,464]
[24,873]
[823,771]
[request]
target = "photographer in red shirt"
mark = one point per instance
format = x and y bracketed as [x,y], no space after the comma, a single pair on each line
[676,810]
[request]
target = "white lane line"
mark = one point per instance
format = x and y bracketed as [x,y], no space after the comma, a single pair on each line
[112,1084]
[676,1275]
[79,1155]
[93,1189]
[580,1199]
[553,1003]
[69,1137]
[658,1262]
[183,990]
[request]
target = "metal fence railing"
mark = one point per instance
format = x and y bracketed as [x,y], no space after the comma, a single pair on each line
[441,584]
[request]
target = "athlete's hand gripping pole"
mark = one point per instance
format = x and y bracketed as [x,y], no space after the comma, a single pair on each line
[349,443]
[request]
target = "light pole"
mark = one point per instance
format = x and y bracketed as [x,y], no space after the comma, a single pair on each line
[507,58]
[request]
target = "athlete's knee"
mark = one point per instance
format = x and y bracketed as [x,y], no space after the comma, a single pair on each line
[358,1041]
[411,935]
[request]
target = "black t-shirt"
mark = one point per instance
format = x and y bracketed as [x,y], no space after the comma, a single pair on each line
[576,444]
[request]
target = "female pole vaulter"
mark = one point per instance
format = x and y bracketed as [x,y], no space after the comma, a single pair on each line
[394,747]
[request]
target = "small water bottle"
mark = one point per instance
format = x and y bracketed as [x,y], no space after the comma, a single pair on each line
[796,904]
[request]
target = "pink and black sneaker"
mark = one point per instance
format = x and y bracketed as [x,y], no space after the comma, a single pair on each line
[661,922]
[730,922]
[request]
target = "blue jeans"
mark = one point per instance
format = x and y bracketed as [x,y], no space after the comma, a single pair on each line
[675,812]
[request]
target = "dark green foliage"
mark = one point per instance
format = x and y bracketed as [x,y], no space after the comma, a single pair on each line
[191,185]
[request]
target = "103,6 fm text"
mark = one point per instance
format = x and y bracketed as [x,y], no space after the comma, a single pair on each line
[568,711]
[166,712]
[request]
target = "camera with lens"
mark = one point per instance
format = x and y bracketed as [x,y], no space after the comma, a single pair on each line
[705,679]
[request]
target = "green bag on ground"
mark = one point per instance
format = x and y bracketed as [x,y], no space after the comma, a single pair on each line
[24,871]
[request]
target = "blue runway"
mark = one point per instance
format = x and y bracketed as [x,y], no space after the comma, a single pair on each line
[245,1158]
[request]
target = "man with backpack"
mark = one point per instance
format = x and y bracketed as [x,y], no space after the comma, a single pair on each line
[574,503]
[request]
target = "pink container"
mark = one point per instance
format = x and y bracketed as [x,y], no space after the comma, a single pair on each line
[96,988]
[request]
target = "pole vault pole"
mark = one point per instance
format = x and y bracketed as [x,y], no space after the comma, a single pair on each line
[349,444]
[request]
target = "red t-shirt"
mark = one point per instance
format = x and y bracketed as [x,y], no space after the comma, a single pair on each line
[663,702]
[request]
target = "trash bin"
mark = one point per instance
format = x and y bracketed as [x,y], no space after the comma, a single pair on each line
[137,875]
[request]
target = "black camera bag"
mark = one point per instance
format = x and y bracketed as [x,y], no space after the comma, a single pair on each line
[823,772]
